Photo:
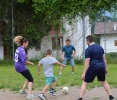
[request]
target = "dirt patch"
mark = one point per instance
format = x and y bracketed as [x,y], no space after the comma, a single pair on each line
[93,94]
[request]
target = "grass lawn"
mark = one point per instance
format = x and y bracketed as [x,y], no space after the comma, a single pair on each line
[10,79]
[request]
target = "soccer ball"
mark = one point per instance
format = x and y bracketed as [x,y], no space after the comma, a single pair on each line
[65,90]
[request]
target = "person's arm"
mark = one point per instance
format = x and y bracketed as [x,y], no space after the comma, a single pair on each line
[62,55]
[104,58]
[74,51]
[39,69]
[86,65]
[24,59]
[30,63]
[58,63]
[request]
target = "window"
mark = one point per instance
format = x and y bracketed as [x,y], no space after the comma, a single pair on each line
[38,46]
[57,43]
[115,42]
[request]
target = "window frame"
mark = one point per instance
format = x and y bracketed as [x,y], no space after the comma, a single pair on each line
[38,46]
[60,42]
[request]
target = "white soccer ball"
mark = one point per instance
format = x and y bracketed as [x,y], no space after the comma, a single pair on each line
[65,90]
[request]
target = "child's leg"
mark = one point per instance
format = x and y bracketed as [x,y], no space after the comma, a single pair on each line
[52,91]
[54,84]
[45,89]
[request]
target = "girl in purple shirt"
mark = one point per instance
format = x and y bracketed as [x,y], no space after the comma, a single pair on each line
[20,61]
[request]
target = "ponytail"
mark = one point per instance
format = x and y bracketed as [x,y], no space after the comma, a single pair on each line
[19,40]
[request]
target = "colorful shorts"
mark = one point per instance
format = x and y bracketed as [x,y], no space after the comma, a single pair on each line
[50,80]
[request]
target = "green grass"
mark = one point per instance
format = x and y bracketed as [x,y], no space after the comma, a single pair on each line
[10,79]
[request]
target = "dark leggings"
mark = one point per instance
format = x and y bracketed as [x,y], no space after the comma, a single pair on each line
[27,75]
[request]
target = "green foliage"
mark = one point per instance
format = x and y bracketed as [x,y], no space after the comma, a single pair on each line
[111,58]
[96,38]
[34,19]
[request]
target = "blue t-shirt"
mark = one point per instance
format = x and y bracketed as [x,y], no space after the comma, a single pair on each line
[68,51]
[20,59]
[95,53]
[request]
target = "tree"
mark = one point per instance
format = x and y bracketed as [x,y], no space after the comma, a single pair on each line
[35,18]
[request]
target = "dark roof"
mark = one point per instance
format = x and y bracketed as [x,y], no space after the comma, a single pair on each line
[110,28]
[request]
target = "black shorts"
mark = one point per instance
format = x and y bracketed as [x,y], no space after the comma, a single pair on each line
[92,73]
[27,75]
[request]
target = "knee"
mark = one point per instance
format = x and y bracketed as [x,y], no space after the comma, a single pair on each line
[103,82]
[30,80]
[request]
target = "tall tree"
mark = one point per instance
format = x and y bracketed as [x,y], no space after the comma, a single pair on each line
[35,18]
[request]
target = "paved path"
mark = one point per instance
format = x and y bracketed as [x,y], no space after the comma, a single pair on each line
[93,94]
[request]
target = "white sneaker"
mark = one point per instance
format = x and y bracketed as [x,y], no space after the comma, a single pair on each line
[23,92]
[31,97]
[42,96]
[52,92]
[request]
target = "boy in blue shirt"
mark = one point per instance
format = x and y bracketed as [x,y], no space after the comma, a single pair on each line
[47,63]
[95,66]
[67,54]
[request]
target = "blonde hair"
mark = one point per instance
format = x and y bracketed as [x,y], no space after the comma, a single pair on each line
[17,40]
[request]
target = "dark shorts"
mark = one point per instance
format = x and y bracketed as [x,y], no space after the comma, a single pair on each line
[27,75]
[92,73]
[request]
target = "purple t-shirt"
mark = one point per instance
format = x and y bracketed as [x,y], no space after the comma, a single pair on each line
[20,59]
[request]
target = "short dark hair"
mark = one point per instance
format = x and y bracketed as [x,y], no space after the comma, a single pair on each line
[89,38]
[48,52]
[68,40]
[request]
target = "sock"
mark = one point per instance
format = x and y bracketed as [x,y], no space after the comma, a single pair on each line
[111,97]
[72,72]
[42,93]
[80,99]
[52,88]
[60,73]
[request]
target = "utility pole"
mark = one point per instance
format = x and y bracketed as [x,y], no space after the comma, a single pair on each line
[104,34]
[12,28]
[83,34]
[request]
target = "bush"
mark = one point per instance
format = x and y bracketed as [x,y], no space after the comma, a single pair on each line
[111,58]
[6,62]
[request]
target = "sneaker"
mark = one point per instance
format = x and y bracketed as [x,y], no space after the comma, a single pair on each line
[23,92]
[60,74]
[31,97]
[42,96]
[52,92]
[72,74]
[111,97]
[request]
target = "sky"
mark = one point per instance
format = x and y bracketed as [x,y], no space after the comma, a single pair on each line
[111,14]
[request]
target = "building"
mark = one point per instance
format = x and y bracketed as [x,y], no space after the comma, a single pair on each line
[108,35]
[73,32]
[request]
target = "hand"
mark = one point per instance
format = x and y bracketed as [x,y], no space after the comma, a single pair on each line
[39,73]
[106,71]
[32,64]
[62,58]
[83,76]
[72,55]
[64,65]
